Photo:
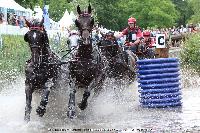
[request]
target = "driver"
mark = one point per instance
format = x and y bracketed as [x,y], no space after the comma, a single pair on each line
[109,39]
[133,35]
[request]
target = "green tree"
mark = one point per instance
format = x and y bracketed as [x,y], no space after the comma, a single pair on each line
[153,12]
[185,10]
[114,13]
[30,3]
[57,8]
[191,51]
[195,4]
[108,13]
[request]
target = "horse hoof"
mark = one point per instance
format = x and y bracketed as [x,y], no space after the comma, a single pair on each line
[71,114]
[83,105]
[40,111]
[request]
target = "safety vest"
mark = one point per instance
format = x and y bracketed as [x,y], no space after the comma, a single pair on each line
[132,35]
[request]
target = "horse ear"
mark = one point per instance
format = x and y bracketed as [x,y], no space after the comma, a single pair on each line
[89,9]
[78,9]
[76,23]
[26,37]
[27,23]
[42,22]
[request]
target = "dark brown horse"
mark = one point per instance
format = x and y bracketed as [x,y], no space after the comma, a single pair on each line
[120,64]
[85,69]
[41,69]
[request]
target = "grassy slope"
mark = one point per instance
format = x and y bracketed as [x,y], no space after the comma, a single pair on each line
[13,55]
[190,54]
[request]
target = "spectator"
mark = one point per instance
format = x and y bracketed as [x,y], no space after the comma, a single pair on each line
[1,18]
[20,21]
[57,38]
[182,29]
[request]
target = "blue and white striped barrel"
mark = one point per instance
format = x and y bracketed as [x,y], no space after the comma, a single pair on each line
[159,82]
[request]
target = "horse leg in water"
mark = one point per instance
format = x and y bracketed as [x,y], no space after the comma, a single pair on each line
[45,95]
[83,103]
[71,105]
[29,92]
[95,82]
[99,86]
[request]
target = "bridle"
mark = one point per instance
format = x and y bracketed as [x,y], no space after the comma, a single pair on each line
[89,29]
[85,40]
[40,29]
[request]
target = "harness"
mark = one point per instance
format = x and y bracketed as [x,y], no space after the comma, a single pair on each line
[36,28]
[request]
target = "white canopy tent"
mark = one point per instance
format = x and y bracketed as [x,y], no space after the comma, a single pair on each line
[11,4]
[38,13]
[73,16]
[66,20]
[30,12]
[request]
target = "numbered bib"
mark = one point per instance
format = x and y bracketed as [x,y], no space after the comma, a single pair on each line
[134,37]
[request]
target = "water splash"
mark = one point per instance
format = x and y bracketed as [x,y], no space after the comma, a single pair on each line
[116,107]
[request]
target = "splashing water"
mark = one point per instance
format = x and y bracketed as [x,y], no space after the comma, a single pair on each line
[116,107]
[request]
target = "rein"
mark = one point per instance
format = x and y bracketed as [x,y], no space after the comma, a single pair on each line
[37,28]
[41,29]
[69,51]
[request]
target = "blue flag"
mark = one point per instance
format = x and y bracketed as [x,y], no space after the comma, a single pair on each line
[46,17]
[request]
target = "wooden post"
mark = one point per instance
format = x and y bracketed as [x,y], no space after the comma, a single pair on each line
[162,52]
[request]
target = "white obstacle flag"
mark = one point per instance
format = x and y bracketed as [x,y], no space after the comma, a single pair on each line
[160,41]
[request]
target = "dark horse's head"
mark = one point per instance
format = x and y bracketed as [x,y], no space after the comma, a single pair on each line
[109,46]
[37,39]
[85,24]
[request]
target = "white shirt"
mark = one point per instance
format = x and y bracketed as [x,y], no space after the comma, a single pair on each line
[182,30]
